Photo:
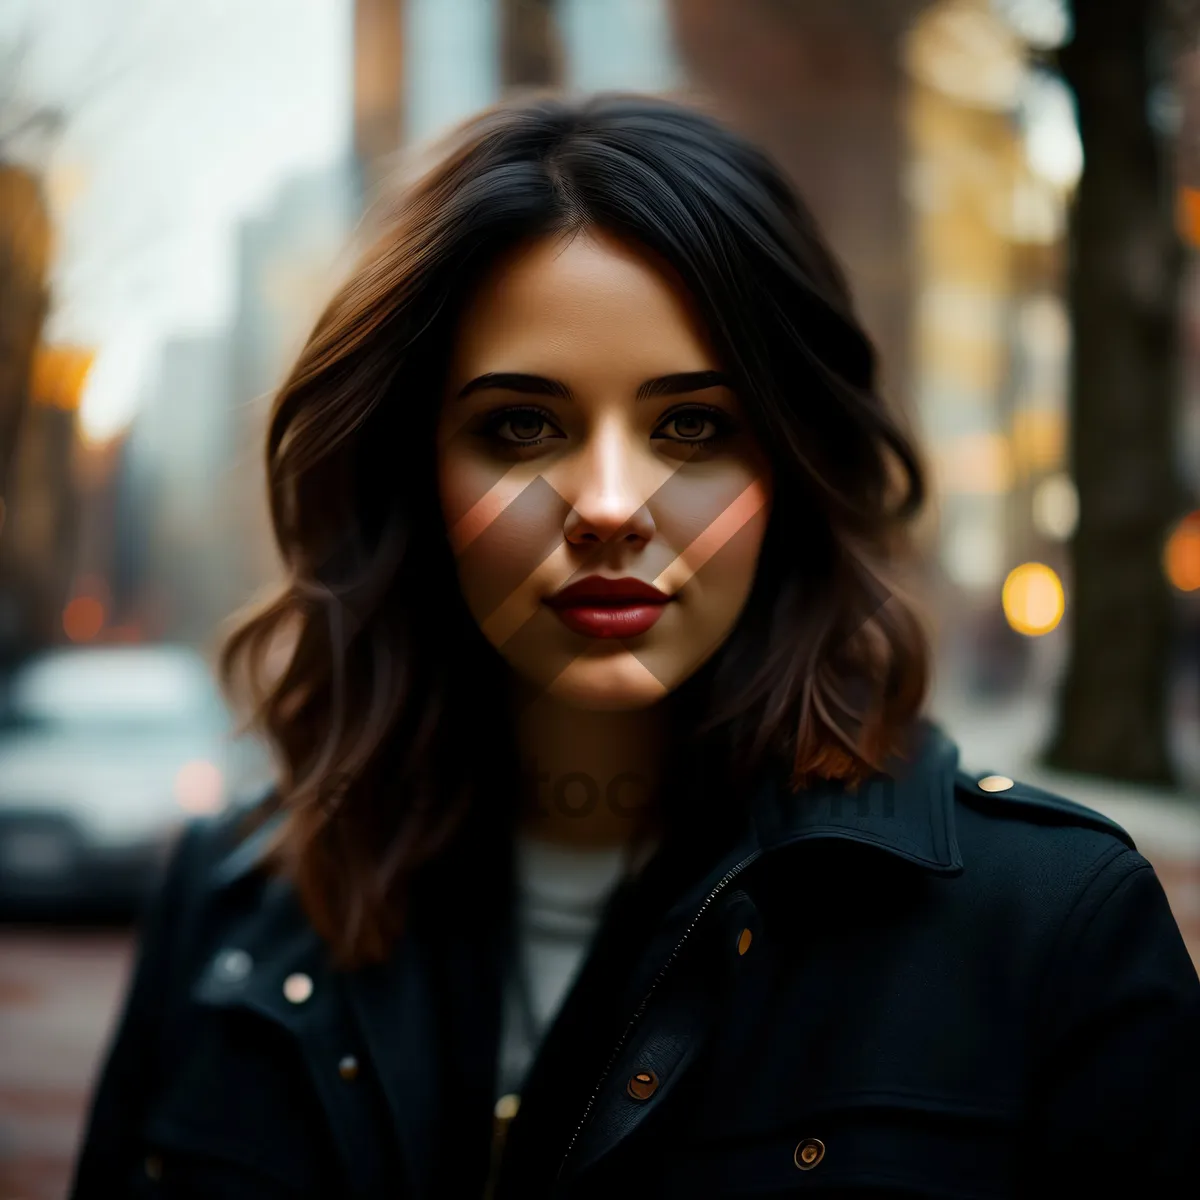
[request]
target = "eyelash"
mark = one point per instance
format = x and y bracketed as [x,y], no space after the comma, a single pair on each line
[721,419]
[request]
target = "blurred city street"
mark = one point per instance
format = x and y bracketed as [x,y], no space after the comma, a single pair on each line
[58,995]
[165,248]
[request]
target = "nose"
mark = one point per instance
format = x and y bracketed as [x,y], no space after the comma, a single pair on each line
[610,491]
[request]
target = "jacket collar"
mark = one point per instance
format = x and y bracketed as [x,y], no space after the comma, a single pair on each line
[907,811]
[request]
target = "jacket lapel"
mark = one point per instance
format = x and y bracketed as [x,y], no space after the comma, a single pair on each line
[274,964]
[393,1005]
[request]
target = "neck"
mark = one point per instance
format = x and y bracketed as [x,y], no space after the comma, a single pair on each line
[590,778]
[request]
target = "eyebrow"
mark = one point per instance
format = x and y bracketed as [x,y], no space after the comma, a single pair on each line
[538,385]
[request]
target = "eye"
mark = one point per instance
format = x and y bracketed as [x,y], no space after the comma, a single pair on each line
[697,424]
[520,426]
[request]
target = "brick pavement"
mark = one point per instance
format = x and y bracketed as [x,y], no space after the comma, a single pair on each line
[58,996]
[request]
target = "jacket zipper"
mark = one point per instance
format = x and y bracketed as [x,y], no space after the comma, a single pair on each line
[641,1008]
[502,1117]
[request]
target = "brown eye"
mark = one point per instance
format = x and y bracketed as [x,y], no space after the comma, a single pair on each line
[690,425]
[519,427]
[526,426]
[696,425]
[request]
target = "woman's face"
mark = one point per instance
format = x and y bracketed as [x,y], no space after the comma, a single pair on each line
[587,439]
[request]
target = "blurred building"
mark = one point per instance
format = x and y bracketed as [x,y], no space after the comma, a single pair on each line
[191,539]
[173,482]
[423,65]
[41,505]
[288,263]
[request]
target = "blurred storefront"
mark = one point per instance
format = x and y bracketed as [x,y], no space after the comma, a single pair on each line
[994,156]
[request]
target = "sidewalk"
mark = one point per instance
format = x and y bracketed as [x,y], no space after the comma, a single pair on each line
[1005,737]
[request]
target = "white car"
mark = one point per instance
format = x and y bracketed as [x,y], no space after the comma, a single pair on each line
[104,752]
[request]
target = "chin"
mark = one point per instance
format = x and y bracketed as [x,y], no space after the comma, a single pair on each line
[608,682]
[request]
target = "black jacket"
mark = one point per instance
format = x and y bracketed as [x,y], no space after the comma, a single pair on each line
[925,989]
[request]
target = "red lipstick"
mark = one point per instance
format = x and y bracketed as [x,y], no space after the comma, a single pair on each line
[608,608]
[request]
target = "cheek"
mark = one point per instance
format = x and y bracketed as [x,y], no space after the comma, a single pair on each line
[725,581]
[720,525]
[713,514]
[501,526]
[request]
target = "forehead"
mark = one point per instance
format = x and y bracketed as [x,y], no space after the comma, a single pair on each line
[581,302]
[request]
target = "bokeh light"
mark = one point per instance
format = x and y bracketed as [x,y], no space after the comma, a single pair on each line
[1056,507]
[200,787]
[1032,598]
[83,618]
[1181,558]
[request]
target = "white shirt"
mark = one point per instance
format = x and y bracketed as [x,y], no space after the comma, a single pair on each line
[561,893]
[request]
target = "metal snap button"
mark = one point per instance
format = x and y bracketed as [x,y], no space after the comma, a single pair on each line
[744,940]
[348,1067]
[808,1153]
[642,1085]
[153,1166]
[995,783]
[234,965]
[298,987]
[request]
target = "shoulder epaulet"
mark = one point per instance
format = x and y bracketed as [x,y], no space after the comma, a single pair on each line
[1001,791]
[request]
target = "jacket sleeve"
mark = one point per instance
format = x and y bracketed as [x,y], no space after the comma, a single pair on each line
[1118,1103]
[129,1071]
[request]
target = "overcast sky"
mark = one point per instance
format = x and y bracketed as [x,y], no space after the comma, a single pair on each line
[183,117]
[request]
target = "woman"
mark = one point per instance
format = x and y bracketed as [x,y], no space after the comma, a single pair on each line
[609,849]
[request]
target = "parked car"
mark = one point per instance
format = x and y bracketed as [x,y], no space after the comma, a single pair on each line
[104,751]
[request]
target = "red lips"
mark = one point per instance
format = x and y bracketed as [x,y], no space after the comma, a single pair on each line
[614,608]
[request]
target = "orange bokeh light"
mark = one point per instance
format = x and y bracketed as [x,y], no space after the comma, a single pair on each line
[1182,555]
[83,618]
[58,375]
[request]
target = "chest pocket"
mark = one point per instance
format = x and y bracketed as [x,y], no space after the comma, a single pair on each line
[237,1118]
[871,1145]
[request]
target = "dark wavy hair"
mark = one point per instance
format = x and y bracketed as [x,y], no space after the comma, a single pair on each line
[386,738]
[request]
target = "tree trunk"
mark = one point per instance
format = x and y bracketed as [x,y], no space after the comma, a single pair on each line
[1123,291]
[24,260]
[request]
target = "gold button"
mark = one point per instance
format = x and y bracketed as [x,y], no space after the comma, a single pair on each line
[744,941]
[153,1166]
[348,1067]
[506,1106]
[642,1085]
[995,783]
[808,1153]
[297,988]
